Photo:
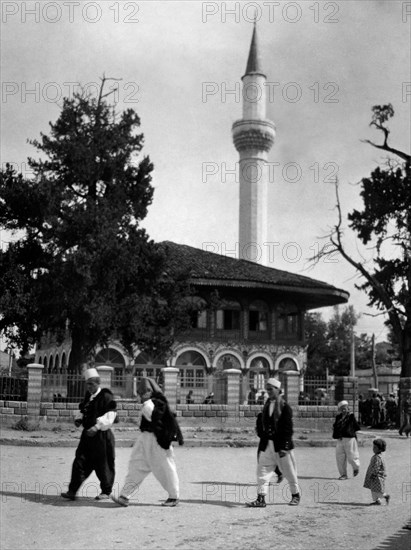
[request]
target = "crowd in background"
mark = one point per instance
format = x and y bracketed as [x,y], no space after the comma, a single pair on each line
[378,411]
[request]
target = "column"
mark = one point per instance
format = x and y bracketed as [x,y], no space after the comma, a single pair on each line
[346,389]
[105,374]
[170,385]
[290,383]
[34,387]
[233,386]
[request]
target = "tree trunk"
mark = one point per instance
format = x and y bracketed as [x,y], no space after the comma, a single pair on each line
[77,361]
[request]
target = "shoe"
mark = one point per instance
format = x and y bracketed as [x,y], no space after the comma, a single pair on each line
[356,472]
[102,496]
[295,500]
[258,503]
[343,477]
[376,502]
[171,502]
[400,432]
[122,501]
[280,478]
[387,499]
[70,496]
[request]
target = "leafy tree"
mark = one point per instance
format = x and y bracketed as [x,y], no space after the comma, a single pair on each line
[329,344]
[82,267]
[317,344]
[384,220]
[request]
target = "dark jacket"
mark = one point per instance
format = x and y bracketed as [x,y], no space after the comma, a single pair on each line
[163,423]
[100,405]
[345,426]
[281,434]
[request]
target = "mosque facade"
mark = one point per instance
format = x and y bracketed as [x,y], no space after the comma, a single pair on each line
[258,326]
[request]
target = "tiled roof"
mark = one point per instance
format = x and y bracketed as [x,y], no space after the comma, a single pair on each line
[210,269]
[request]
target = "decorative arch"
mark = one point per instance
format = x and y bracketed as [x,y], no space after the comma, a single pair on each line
[110,356]
[256,355]
[176,360]
[64,362]
[192,365]
[287,361]
[234,353]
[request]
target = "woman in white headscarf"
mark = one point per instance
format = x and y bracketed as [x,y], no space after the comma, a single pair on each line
[153,452]
[345,430]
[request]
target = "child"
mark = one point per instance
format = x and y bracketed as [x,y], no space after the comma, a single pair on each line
[376,474]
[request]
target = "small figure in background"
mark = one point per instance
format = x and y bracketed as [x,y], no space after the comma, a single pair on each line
[209,400]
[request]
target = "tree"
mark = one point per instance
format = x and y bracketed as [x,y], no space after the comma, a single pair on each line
[329,344]
[317,344]
[82,266]
[384,222]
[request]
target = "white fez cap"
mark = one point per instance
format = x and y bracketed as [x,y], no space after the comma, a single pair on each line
[274,382]
[91,373]
[342,404]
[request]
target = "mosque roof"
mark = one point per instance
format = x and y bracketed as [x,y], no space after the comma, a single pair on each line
[211,269]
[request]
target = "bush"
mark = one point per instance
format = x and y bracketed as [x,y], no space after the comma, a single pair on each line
[25,425]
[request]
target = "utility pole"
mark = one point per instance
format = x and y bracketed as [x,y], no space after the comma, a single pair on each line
[352,353]
[374,366]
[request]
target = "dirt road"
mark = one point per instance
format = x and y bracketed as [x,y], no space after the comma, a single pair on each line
[215,483]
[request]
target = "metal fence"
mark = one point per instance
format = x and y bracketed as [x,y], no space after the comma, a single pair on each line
[317,391]
[13,389]
[63,387]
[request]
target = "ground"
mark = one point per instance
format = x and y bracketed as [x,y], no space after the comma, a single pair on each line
[215,484]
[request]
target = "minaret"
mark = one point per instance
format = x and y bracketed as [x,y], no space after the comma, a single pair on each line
[253,137]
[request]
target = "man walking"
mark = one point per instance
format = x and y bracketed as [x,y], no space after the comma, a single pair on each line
[96,448]
[275,430]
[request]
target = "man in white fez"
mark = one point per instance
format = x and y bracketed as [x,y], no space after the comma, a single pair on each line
[345,430]
[275,430]
[95,451]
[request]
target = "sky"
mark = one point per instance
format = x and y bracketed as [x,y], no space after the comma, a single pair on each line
[180,65]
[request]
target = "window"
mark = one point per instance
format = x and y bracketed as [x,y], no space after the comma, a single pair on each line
[228,318]
[196,307]
[289,324]
[257,317]
[199,319]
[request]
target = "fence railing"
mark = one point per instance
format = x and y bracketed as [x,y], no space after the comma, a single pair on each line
[317,391]
[63,387]
[192,387]
[13,389]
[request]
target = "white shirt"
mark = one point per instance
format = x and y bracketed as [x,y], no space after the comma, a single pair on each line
[147,409]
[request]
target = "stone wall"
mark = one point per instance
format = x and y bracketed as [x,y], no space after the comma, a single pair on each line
[319,418]
[310,417]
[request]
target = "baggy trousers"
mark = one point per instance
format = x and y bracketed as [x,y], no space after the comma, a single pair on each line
[267,462]
[147,456]
[94,453]
[346,451]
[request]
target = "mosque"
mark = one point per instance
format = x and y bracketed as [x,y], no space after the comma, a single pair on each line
[258,327]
